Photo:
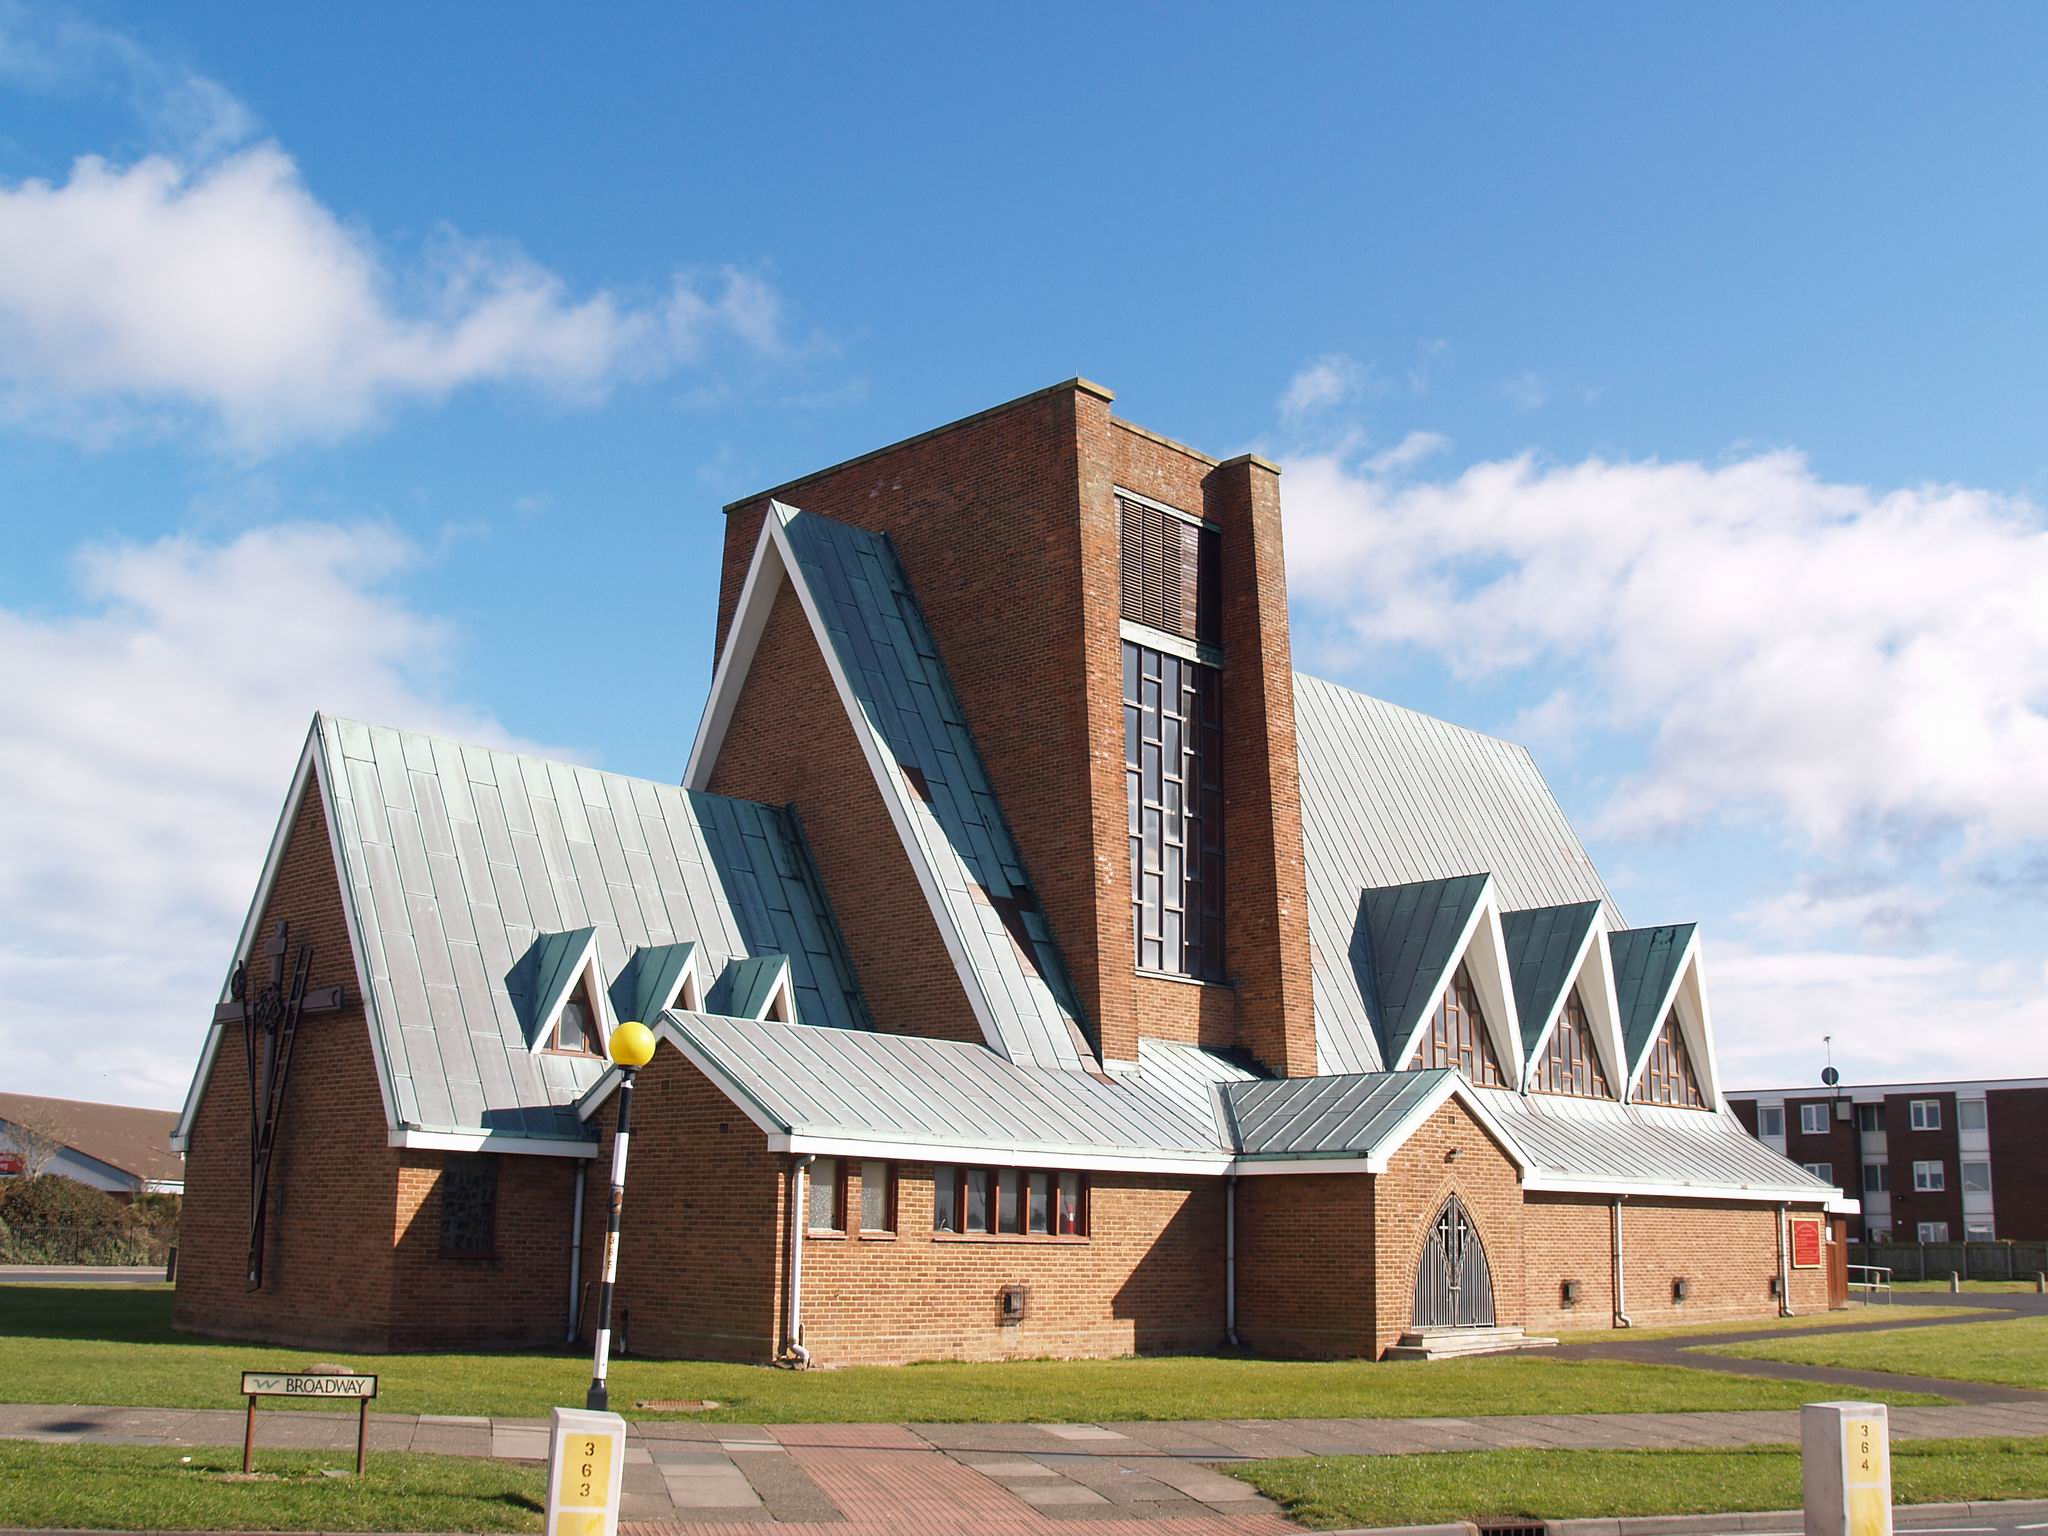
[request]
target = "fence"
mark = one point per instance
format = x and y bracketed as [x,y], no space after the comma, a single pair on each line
[1936,1261]
[123,1243]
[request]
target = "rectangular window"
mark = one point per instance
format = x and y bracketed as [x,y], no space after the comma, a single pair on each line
[1813,1119]
[1173,788]
[1979,1232]
[877,1198]
[1930,1176]
[1970,1114]
[1770,1120]
[977,1183]
[1071,1221]
[1976,1178]
[1822,1171]
[1877,1179]
[945,1198]
[827,1196]
[1926,1114]
[469,1206]
[1933,1231]
[1041,1203]
[1009,1201]
[1870,1119]
[1172,571]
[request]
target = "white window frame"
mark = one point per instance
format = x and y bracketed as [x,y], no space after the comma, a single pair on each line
[1881,1183]
[1933,1231]
[1825,1172]
[1813,1119]
[1972,1229]
[1977,1162]
[1770,1121]
[1930,1176]
[1874,1113]
[1925,1114]
[1965,1108]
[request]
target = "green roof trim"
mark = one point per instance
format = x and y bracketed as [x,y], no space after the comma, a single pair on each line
[1544,944]
[1646,965]
[649,983]
[553,964]
[1406,937]
[751,983]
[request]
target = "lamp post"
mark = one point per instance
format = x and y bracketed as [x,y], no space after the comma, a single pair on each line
[632,1047]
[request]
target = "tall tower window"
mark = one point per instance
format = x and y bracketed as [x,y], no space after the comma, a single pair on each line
[1173,779]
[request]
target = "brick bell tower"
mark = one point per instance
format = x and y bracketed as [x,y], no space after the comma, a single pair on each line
[1112,609]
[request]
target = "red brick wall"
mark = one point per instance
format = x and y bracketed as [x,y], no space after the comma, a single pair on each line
[1905,1146]
[328,1275]
[789,742]
[1305,1261]
[702,1245]
[1148,1277]
[1729,1253]
[1568,1237]
[2019,1162]
[519,1295]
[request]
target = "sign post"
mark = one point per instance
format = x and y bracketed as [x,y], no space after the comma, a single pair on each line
[329,1385]
[1846,1469]
[586,1466]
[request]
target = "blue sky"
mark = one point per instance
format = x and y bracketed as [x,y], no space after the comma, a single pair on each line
[1662,387]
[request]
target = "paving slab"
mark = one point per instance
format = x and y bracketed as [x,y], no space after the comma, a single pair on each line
[1060,1493]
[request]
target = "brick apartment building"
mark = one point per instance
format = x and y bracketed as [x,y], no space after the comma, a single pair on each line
[1040,966]
[1929,1162]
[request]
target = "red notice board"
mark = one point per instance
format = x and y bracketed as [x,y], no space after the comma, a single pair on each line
[1805,1242]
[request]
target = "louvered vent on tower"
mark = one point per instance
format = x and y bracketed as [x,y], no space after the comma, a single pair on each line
[1172,572]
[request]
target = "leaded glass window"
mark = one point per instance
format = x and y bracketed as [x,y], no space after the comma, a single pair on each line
[1456,1035]
[469,1206]
[1571,1063]
[1173,774]
[1668,1077]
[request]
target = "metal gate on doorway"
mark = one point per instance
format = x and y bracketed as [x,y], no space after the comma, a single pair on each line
[1453,1285]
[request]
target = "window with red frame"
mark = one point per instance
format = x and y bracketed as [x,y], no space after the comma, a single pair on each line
[1009,1202]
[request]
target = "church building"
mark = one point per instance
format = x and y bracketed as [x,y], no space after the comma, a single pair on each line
[1039,966]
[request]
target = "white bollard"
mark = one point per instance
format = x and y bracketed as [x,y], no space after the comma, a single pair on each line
[586,1464]
[1846,1467]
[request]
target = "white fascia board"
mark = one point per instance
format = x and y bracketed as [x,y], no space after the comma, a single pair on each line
[488,1141]
[1665,1003]
[1693,1015]
[1566,1184]
[749,620]
[1601,1008]
[1418,1116]
[996,1154]
[666,1029]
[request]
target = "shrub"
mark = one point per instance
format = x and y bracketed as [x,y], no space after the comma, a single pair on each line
[50,1219]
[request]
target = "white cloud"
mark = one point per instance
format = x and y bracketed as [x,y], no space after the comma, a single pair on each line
[149,743]
[1328,381]
[1848,659]
[1528,391]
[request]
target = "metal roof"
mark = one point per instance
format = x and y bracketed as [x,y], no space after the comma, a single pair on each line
[942,1094]
[457,858]
[541,979]
[1617,1145]
[749,984]
[1350,1114]
[1646,964]
[1390,797]
[1410,935]
[651,980]
[1542,944]
[906,706]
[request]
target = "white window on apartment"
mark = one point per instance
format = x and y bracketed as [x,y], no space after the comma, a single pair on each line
[1979,1232]
[1870,1119]
[1933,1231]
[1926,1114]
[1877,1179]
[1930,1176]
[1825,1172]
[1770,1120]
[1976,1178]
[1813,1119]
[1970,1115]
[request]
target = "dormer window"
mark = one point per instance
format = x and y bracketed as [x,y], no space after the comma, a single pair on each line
[1456,1035]
[573,1031]
[1668,1077]
[1571,1062]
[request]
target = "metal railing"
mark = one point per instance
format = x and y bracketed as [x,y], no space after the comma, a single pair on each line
[68,1244]
[1877,1281]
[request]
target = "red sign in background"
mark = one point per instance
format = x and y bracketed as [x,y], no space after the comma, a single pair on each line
[10,1163]
[1806,1245]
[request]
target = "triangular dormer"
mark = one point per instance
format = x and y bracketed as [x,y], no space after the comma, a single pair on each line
[1564,993]
[1667,1031]
[1433,969]
[567,1011]
[1667,1076]
[758,988]
[657,978]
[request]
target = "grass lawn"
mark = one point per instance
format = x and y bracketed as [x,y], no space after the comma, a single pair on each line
[2009,1354]
[150,1487]
[76,1344]
[1564,1485]
[1863,1315]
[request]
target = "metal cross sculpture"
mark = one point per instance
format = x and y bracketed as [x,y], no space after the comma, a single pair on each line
[270,1022]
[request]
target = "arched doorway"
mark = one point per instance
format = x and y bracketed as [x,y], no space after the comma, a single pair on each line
[1453,1286]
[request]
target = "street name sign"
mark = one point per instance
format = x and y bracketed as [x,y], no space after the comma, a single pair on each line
[332,1386]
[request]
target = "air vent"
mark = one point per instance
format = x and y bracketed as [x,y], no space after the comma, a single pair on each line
[1172,570]
[1512,1528]
[1016,1303]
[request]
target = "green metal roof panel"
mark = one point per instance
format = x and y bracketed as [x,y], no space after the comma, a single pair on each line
[907,707]
[648,983]
[748,984]
[1412,934]
[543,977]
[1646,962]
[1345,1114]
[1542,943]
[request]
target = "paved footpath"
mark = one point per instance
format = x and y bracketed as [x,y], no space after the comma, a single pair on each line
[1124,1479]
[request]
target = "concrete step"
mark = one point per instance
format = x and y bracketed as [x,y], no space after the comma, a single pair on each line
[1456,1343]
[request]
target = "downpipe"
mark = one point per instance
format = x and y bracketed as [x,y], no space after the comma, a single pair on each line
[1230,1259]
[576,1256]
[1784,1268]
[1621,1317]
[799,1180]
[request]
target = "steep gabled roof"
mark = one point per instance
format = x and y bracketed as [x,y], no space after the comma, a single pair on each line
[1390,797]
[1365,1115]
[749,985]
[1412,936]
[654,980]
[1545,945]
[886,669]
[1648,964]
[454,859]
[542,981]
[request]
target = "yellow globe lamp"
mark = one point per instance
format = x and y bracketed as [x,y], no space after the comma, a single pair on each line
[632,1044]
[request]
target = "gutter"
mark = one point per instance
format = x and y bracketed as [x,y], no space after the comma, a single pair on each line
[794,1343]
[576,1255]
[1621,1317]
